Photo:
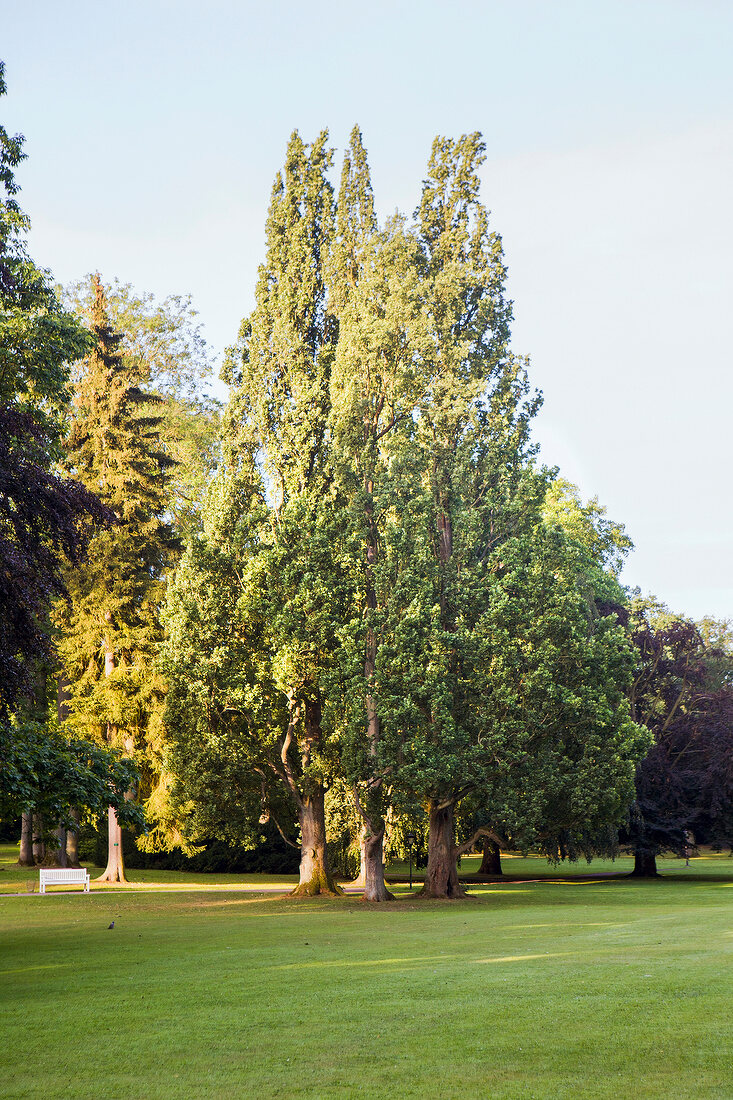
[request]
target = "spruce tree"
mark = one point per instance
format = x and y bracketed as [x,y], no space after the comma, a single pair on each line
[110,628]
[163,344]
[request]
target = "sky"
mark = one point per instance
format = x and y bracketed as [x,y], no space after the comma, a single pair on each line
[154,129]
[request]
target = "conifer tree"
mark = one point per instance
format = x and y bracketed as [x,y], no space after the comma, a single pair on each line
[164,346]
[109,630]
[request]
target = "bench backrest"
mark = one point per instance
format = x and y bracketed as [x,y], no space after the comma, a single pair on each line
[63,874]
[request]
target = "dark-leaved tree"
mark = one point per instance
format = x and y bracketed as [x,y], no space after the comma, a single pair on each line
[681,693]
[43,517]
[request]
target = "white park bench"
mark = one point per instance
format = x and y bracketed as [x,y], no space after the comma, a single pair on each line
[64,876]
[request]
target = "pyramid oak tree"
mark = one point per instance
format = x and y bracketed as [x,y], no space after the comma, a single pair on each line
[377,379]
[278,411]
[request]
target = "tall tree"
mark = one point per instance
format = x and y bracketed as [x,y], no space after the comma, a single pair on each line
[278,411]
[496,676]
[109,631]
[402,616]
[456,419]
[377,379]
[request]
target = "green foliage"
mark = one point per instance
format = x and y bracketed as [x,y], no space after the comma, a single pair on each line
[165,351]
[606,541]
[223,711]
[385,579]
[109,629]
[46,773]
[495,674]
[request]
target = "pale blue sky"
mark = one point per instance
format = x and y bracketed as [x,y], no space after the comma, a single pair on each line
[154,130]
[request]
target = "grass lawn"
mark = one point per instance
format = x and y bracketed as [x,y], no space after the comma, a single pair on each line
[558,988]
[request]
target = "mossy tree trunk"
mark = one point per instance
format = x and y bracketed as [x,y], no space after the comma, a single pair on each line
[375,888]
[315,871]
[39,846]
[59,852]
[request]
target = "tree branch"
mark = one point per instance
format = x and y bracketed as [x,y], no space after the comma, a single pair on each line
[291,843]
[289,735]
[483,831]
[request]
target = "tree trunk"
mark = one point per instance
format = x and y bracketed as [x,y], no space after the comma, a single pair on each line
[59,853]
[360,879]
[645,864]
[373,834]
[25,857]
[63,697]
[115,869]
[441,878]
[315,873]
[374,885]
[39,846]
[72,841]
[491,862]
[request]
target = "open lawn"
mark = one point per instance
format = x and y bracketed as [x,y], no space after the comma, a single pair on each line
[564,989]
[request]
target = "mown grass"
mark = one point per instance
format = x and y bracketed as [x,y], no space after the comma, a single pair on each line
[557,989]
[14,879]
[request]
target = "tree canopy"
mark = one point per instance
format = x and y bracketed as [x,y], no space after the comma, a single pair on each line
[404,612]
[44,518]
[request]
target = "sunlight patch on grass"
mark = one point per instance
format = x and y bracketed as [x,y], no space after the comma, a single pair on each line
[217,993]
[571,924]
[39,966]
[353,963]
[523,958]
